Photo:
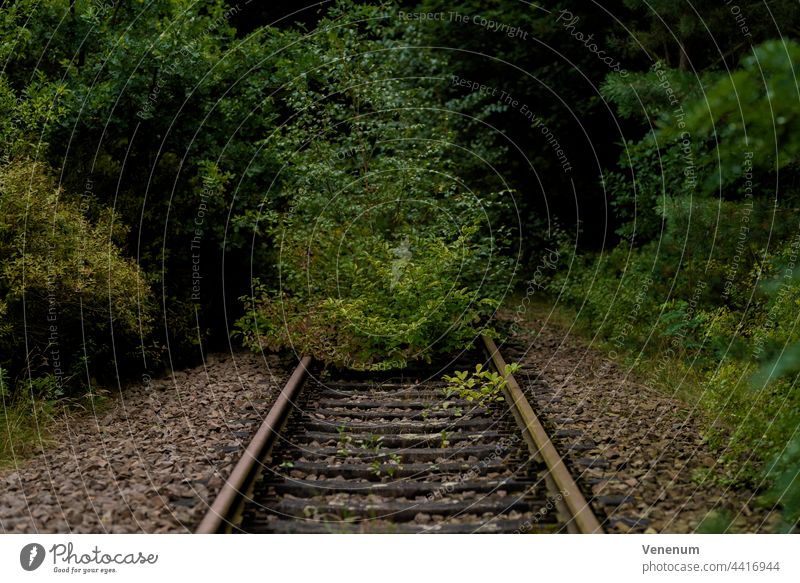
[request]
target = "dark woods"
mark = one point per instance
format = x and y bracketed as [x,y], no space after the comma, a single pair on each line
[367,182]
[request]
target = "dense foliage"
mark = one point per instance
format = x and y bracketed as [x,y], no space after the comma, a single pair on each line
[385,254]
[703,287]
[59,283]
[361,182]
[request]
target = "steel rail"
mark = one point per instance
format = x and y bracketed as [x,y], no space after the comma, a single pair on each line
[540,446]
[239,484]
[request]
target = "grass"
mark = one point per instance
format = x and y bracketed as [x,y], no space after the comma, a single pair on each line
[26,423]
[24,430]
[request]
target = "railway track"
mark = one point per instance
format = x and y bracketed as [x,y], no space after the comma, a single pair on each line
[387,452]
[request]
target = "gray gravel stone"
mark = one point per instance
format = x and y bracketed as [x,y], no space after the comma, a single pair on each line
[650,448]
[151,461]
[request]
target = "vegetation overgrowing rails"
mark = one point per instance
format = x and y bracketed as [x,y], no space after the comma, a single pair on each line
[367,187]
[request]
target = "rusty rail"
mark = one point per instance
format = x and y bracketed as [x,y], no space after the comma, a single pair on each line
[571,505]
[539,444]
[238,485]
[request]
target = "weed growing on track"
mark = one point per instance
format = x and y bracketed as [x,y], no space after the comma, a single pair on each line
[481,387]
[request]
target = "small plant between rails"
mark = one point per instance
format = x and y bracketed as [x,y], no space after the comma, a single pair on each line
[482,387]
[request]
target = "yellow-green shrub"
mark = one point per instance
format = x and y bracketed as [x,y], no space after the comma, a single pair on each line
[69,299]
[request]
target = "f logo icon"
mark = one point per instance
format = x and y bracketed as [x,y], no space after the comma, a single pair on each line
[31,556]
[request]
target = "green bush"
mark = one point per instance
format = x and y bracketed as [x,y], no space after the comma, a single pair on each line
[384,255]
[371,307]
[702,290]
[66,292]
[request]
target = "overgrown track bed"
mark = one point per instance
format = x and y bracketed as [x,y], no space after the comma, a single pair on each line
[638,454]
[388,452]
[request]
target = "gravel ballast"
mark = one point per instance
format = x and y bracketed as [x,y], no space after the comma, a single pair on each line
[638,455]
[152,460]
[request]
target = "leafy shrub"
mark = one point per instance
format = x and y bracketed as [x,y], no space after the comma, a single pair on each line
[375,310]
[785,483]
[384,255]
[65,287]
[159,107]
[704,287]
[750,110]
